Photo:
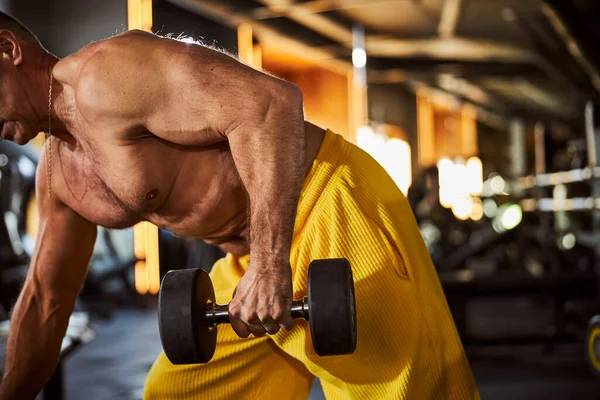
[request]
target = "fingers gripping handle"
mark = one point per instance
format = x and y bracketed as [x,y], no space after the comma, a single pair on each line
[219,313]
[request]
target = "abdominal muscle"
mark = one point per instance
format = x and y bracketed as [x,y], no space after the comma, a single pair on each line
[199,192]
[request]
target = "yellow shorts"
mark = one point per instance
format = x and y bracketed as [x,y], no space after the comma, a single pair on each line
[408,347]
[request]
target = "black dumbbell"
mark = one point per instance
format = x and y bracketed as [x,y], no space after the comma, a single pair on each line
[188,314]
[593,344]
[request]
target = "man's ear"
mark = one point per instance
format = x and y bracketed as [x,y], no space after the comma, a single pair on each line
[10,48]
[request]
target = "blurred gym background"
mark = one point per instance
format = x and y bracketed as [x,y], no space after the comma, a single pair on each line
[483,113]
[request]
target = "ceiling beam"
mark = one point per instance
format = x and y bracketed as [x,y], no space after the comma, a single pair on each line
[564,20]
[450,48]
[450,16]
[439,53]
[220,12]
[385,46]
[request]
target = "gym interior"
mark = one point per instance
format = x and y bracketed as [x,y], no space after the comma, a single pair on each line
[483,113]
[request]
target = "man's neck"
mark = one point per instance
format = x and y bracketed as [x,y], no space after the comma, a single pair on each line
[40,84]
[59,111]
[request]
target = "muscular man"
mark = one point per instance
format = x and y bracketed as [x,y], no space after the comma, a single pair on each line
[144,128]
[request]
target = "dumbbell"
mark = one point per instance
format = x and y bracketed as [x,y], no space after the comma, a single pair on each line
[188,314]
[593,344]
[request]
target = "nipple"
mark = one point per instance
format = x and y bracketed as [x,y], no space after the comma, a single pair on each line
[151,195]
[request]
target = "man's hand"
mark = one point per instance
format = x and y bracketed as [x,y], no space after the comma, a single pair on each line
[262,301]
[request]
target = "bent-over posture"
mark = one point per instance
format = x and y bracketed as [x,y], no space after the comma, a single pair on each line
[144,128]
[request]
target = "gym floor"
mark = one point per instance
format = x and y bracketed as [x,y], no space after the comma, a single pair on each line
[115,364]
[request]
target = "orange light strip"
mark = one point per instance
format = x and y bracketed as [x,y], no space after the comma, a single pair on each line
[245,46]
[141,277]
[468,132]
[248,53]
[140,251]
[139,14]
[152,258]
[257,57]
[145,235]
[425,131]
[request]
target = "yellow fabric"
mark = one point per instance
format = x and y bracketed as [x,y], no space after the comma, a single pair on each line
[408,347]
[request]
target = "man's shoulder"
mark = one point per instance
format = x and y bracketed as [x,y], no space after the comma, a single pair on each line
[108,75]
[90,58]
[119,44]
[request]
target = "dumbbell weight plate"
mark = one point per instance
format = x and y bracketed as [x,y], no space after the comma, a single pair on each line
[332,313]
[184,331]
[593,344]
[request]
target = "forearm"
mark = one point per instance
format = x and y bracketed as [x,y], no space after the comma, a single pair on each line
[270,155]
[38,326]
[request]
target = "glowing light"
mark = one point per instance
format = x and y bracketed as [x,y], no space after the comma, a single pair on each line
[378,149]
[397,163]
[140,274]
[560,192]
[497,184]
[446,197]
[511,217]
[145,247]
[364,137]
[458,184]
[152,259]
[445,168]
[497,225]
[26,167]
[372,143]
[393,155]
[567,242]
[475,173]
[187,39]
[490,208]
[462,208]
[476,210]
[359,58]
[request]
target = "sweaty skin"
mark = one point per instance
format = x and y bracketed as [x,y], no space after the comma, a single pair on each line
[151,129]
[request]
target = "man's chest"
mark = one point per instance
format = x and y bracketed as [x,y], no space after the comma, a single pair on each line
[192,191]
[115,176]
[110,185]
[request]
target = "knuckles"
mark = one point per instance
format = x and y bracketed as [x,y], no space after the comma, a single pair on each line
[264,315]
[278,315]
[235,311]
[260,316]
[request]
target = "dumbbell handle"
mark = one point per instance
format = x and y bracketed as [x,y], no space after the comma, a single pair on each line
[219,313]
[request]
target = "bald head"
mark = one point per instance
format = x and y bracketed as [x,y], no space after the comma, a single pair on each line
[17,28]
[24,81]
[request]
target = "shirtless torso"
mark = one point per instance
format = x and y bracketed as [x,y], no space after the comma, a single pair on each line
[115,177]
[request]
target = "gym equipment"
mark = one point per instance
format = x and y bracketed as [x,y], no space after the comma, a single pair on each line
[188,315]
[17,185]
[593,344]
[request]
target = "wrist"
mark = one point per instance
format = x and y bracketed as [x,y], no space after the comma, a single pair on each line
[270,252]
[269,262]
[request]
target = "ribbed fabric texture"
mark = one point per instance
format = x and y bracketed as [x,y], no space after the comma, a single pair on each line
[408,347]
